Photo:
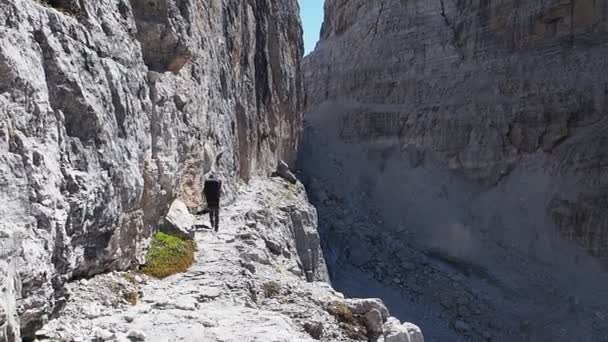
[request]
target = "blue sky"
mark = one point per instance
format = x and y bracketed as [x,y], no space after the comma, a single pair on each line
[312,18]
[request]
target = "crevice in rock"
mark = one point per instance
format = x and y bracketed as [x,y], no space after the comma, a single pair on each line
[72,7]
[263,92]
[374,28]
[163,47]
[120,112]
[242,124]
[444,15]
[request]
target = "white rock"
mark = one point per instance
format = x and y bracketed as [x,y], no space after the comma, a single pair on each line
[414,332]
[394,331]
[179,221]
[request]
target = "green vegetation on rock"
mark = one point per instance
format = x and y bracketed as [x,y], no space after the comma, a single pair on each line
[168,255]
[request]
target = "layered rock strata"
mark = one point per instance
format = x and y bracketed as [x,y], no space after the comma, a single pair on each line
[467,139]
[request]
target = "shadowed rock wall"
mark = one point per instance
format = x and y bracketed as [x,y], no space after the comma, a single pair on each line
[467,133]
[486,87]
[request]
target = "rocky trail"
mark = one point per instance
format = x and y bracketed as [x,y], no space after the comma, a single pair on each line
[247,284]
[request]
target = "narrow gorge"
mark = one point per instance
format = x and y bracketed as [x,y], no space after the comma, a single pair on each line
[449,168]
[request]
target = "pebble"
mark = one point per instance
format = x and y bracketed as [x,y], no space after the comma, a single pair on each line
[136,335]
[42,333]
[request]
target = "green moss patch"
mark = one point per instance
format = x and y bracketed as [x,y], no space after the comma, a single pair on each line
[168,255]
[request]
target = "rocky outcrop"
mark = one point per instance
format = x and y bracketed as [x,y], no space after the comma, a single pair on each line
[109,110]
[241,288]
[466,140]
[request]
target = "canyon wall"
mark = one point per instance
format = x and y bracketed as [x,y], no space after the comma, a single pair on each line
[466,140]
[109,110]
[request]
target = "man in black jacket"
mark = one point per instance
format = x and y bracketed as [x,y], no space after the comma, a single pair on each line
[213,191]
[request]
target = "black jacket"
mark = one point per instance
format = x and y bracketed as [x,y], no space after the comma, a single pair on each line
[213,191]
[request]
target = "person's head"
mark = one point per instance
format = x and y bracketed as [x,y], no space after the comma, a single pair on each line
[212,176]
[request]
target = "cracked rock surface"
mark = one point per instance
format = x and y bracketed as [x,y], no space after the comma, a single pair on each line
[110,110]
[238,290]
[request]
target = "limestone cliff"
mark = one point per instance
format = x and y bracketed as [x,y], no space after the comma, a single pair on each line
[110,109]
[466,138]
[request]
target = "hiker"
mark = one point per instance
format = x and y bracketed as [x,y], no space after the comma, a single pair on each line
[213,191]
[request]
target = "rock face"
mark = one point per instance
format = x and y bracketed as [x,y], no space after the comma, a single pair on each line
[466,139]
[109,110]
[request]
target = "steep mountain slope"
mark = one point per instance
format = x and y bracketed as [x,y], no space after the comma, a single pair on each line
[110,109]
[456,152]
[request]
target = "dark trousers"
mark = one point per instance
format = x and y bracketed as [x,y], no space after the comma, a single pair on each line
[214,217]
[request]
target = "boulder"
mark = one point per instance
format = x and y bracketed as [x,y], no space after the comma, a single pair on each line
[284,172]
[363,306]
[414,332]
[374,320]
[394,331]
[179,221]
[303,225]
